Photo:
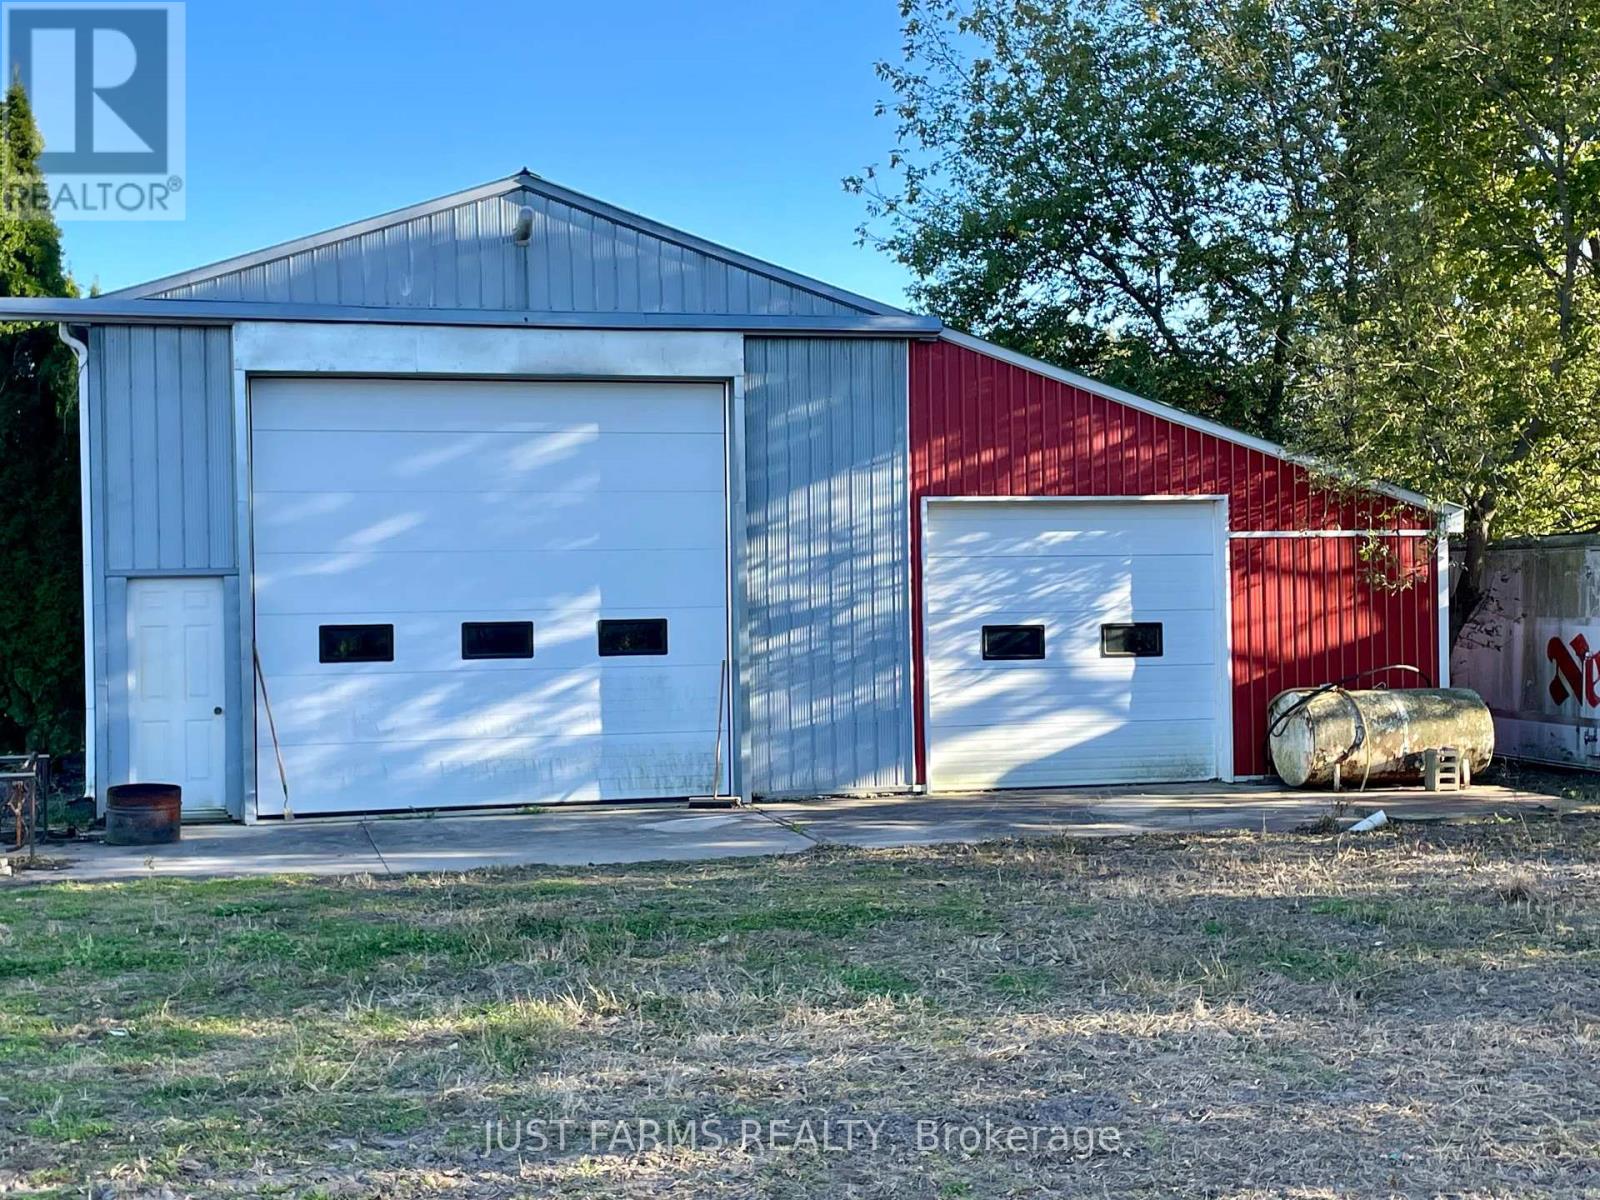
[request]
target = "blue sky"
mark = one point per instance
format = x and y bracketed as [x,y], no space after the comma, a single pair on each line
[732,119]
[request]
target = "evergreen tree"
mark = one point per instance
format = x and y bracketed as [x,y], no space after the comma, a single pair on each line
[41,610]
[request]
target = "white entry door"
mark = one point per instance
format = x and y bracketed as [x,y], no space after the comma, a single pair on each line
[176,704]
[1074,642]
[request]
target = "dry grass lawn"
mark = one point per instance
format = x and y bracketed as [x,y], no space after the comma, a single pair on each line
[1415,1012]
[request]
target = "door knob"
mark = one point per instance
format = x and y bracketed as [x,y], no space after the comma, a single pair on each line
[217,711]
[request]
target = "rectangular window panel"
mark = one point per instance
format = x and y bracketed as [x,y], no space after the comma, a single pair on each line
[497,639]
[355,643]
[646,635]
[1141,639]
[1003,643]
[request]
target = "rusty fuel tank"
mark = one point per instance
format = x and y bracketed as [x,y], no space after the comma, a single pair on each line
[1374,737]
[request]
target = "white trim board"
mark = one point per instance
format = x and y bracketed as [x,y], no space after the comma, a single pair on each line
[279,347]
[86,447]
[1334,533]
[915,779]
[1180,498]
[1451,513]
[141,311]
[1441,609]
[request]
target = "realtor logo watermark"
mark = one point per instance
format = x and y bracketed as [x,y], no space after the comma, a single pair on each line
[106,82]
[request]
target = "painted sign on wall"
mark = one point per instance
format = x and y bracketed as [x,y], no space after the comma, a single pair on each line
[1575,670]
[1532,649]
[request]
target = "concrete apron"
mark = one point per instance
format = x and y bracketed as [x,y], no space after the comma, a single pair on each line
[594,835]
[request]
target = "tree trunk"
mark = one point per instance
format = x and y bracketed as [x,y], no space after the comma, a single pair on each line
[1473,584]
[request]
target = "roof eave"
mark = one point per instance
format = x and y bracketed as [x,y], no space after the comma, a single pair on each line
[116,310]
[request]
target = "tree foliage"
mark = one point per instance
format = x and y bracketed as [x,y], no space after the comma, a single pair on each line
[1365,227]
[41,612]
[1468,366]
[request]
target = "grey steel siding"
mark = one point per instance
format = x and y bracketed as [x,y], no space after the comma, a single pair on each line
[163,397]
[464,257]
[161,497]
[828,568]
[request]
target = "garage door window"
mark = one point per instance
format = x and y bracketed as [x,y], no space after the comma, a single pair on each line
[497,639]
[643,636]
[1141,639]
[355,643]
[1006,643]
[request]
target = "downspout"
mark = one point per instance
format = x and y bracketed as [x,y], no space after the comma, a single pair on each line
[1442,604]
[80,351]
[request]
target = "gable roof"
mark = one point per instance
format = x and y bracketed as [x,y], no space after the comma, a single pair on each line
[586,264]
[458,252]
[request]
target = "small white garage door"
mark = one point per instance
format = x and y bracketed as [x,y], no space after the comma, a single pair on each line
[1073,642]
[477,593]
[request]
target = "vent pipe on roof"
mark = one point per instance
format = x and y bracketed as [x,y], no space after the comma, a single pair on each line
[522,232]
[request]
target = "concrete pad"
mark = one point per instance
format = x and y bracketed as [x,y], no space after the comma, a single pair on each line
[574,836]
[577,837]
[1111,812]
[583,835]
[315,848]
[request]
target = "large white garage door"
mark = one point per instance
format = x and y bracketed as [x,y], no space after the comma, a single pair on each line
[1073,642]
[473,593]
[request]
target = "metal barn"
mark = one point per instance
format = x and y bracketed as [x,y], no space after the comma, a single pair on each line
[513,497]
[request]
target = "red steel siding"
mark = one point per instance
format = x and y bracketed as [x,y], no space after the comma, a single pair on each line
[1305,609]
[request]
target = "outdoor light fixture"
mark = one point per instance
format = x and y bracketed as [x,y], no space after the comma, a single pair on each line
[522,232]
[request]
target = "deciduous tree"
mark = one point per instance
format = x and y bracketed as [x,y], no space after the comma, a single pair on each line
[1364,227]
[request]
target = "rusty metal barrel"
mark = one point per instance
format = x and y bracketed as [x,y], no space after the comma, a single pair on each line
[1379,736]
[143,814]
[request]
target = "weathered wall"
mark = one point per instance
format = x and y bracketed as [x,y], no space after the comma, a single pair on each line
[1532,649]
[828,672]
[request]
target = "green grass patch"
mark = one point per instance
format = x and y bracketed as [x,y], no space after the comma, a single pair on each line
[1360,912]
[1023,983]
[878,981]
[1303,963]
